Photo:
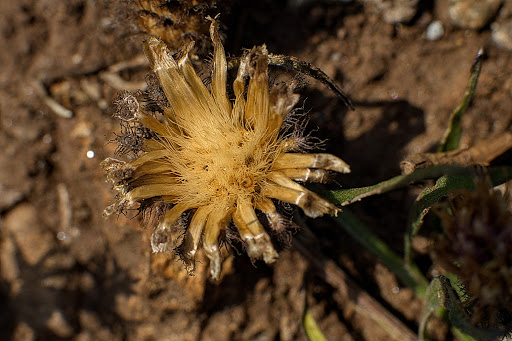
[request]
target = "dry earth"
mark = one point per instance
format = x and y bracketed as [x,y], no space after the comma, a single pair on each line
[68,274]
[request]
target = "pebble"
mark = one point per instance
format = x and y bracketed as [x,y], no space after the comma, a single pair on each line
[25,131]
[502,35]
[93,328]
[82,129]
[57,282]
[395,11]
[9,197]
[58,325]
[472,14]
[33,242]
[23,332]
[401,11]
[435,30]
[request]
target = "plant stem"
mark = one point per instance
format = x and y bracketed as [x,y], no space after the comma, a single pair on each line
[410,275]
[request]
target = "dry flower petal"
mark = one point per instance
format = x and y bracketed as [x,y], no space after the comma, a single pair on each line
[220,160]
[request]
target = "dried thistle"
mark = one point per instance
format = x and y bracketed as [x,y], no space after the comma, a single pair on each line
[214,161]
[475,246]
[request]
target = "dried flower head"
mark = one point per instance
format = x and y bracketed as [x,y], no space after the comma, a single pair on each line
[213,161]
[475,246]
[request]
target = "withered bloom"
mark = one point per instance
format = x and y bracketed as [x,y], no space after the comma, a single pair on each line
[476,247]
[215,161]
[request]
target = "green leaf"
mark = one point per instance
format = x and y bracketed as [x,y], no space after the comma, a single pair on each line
[452,135]
[351,195]
[313,333]
[431,303]
[348,196]
[440,293]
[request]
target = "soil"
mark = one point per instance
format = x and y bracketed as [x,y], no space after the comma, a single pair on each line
[69,274]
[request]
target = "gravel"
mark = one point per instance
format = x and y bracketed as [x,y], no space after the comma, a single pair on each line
[502,34]
[435,30]
[473,14]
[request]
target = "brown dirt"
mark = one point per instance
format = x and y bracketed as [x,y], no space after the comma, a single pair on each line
[67,273]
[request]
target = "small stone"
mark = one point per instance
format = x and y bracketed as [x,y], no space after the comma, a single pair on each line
[61,261]
[33,242]
[502,35]
[87,282]
[27,131]
[23,332]
[473,14]
[394,11]
[58,325]
[82,129]
[90,322]
[9,197]
[57,282]
[400,11]
[131,308]
[434,31]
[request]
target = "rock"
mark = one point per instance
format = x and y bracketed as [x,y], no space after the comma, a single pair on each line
[25,131]
[58,325]
[56,282]
[9,197]
[23,332]
[502,35]
[83,129]
[61,261]
[400,11]
[434,31]
[394,11]
[92,328]
[473,14]
[33,242]
[132,308]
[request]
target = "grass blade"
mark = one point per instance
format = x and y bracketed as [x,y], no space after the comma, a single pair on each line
[410,276]
[313,333]
[452,135]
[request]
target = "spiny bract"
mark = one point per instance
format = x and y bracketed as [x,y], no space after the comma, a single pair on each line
[216,160]
[475,246]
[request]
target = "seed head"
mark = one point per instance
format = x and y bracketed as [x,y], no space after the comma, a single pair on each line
[475,246]
[212,161]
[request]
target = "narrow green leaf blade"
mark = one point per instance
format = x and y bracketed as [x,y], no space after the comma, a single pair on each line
[452,135]
[313,333]
[348,196]
[431,304]
[410,276]
[351,195]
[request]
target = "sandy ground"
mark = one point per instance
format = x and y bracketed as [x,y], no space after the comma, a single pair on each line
[68,274]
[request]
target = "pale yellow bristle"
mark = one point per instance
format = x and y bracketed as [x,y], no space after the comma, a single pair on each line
[218,159]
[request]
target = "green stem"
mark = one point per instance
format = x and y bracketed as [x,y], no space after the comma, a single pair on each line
[410,275]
